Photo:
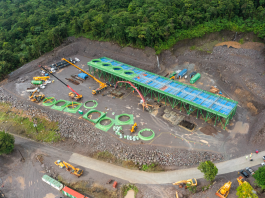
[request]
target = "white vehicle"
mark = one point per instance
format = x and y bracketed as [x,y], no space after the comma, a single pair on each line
[263,164]
[186,77]
[77,60]
[178,71]
[42,86]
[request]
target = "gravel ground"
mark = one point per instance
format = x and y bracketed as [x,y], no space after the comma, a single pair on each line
[95,140]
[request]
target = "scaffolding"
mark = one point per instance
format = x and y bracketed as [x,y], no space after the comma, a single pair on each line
[189,98]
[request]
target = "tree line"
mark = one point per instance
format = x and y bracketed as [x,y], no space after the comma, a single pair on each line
[29,28]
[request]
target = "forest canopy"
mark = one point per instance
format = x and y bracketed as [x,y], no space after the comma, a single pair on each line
[29,28]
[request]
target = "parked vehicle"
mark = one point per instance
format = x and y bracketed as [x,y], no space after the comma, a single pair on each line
[72,193]
[263,158]
[182,73]
[192,74]
[244,173]
[263,164]
[250,170]
[195,78]
[52,182]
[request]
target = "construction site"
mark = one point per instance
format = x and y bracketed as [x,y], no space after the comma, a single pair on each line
[171,111]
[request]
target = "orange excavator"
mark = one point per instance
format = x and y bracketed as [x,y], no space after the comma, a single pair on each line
[75,171]
[143,102]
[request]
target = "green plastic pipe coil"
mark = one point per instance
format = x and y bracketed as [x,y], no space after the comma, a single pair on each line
[95,105]
[146,138]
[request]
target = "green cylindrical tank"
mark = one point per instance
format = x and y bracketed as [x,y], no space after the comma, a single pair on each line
[36,82]
[195,78]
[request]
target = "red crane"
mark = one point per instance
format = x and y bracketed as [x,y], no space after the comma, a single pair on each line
[145,105]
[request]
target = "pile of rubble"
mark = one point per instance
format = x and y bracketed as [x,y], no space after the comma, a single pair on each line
[83,132]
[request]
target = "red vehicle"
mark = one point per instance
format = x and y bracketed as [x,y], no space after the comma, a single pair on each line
[72,193]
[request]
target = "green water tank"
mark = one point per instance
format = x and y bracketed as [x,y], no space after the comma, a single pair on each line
[36,82]
[195,78]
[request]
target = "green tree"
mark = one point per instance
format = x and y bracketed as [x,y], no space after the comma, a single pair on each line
[7,142]
[209,170]
[260,177]
[245,191]
[191,188]
[86,26]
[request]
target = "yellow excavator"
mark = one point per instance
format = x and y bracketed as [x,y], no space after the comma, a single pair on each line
[75,171]
[36,98]
[59,163]
[134,127]
[224,190]
[102,86]
[191,182]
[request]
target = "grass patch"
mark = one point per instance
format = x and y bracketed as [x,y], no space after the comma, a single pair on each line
[18,122]
[126,188]
[152,168]
[241,41]
[193,47]
[108,157]
[89,189]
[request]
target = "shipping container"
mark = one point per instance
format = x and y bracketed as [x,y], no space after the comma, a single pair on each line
[182,73]
[52,182]
[72,193]
[36,82]
[195,78]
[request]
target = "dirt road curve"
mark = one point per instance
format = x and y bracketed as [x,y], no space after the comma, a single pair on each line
[140,177]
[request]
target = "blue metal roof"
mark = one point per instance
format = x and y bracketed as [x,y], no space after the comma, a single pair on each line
[189,93]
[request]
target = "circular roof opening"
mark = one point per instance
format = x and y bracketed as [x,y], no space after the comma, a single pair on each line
[106,64]
[96,60]
[117,68]
[129,73]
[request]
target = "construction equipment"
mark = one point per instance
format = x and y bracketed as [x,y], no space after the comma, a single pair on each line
[191,182]
[134,127]
[224,190]
[143,102]
[102,86]
[59,163]
[239,179]
[75,171]
[74,95]
[41,78]
[36,98]
[172,75]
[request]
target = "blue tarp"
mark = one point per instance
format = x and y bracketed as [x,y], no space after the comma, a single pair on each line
[83,75]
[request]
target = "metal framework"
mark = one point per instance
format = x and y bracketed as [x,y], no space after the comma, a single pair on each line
[189,98]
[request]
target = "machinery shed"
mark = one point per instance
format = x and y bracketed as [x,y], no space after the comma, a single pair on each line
[190,98]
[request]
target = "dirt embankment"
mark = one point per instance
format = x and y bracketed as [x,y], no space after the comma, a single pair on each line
[145,59]
[239,73]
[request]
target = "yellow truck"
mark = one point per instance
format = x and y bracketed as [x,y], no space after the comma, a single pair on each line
[41,78]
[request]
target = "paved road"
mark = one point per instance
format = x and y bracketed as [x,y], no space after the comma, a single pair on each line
[140,177]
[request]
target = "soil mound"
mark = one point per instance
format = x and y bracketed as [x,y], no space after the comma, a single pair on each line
[208,130]
[248,45]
